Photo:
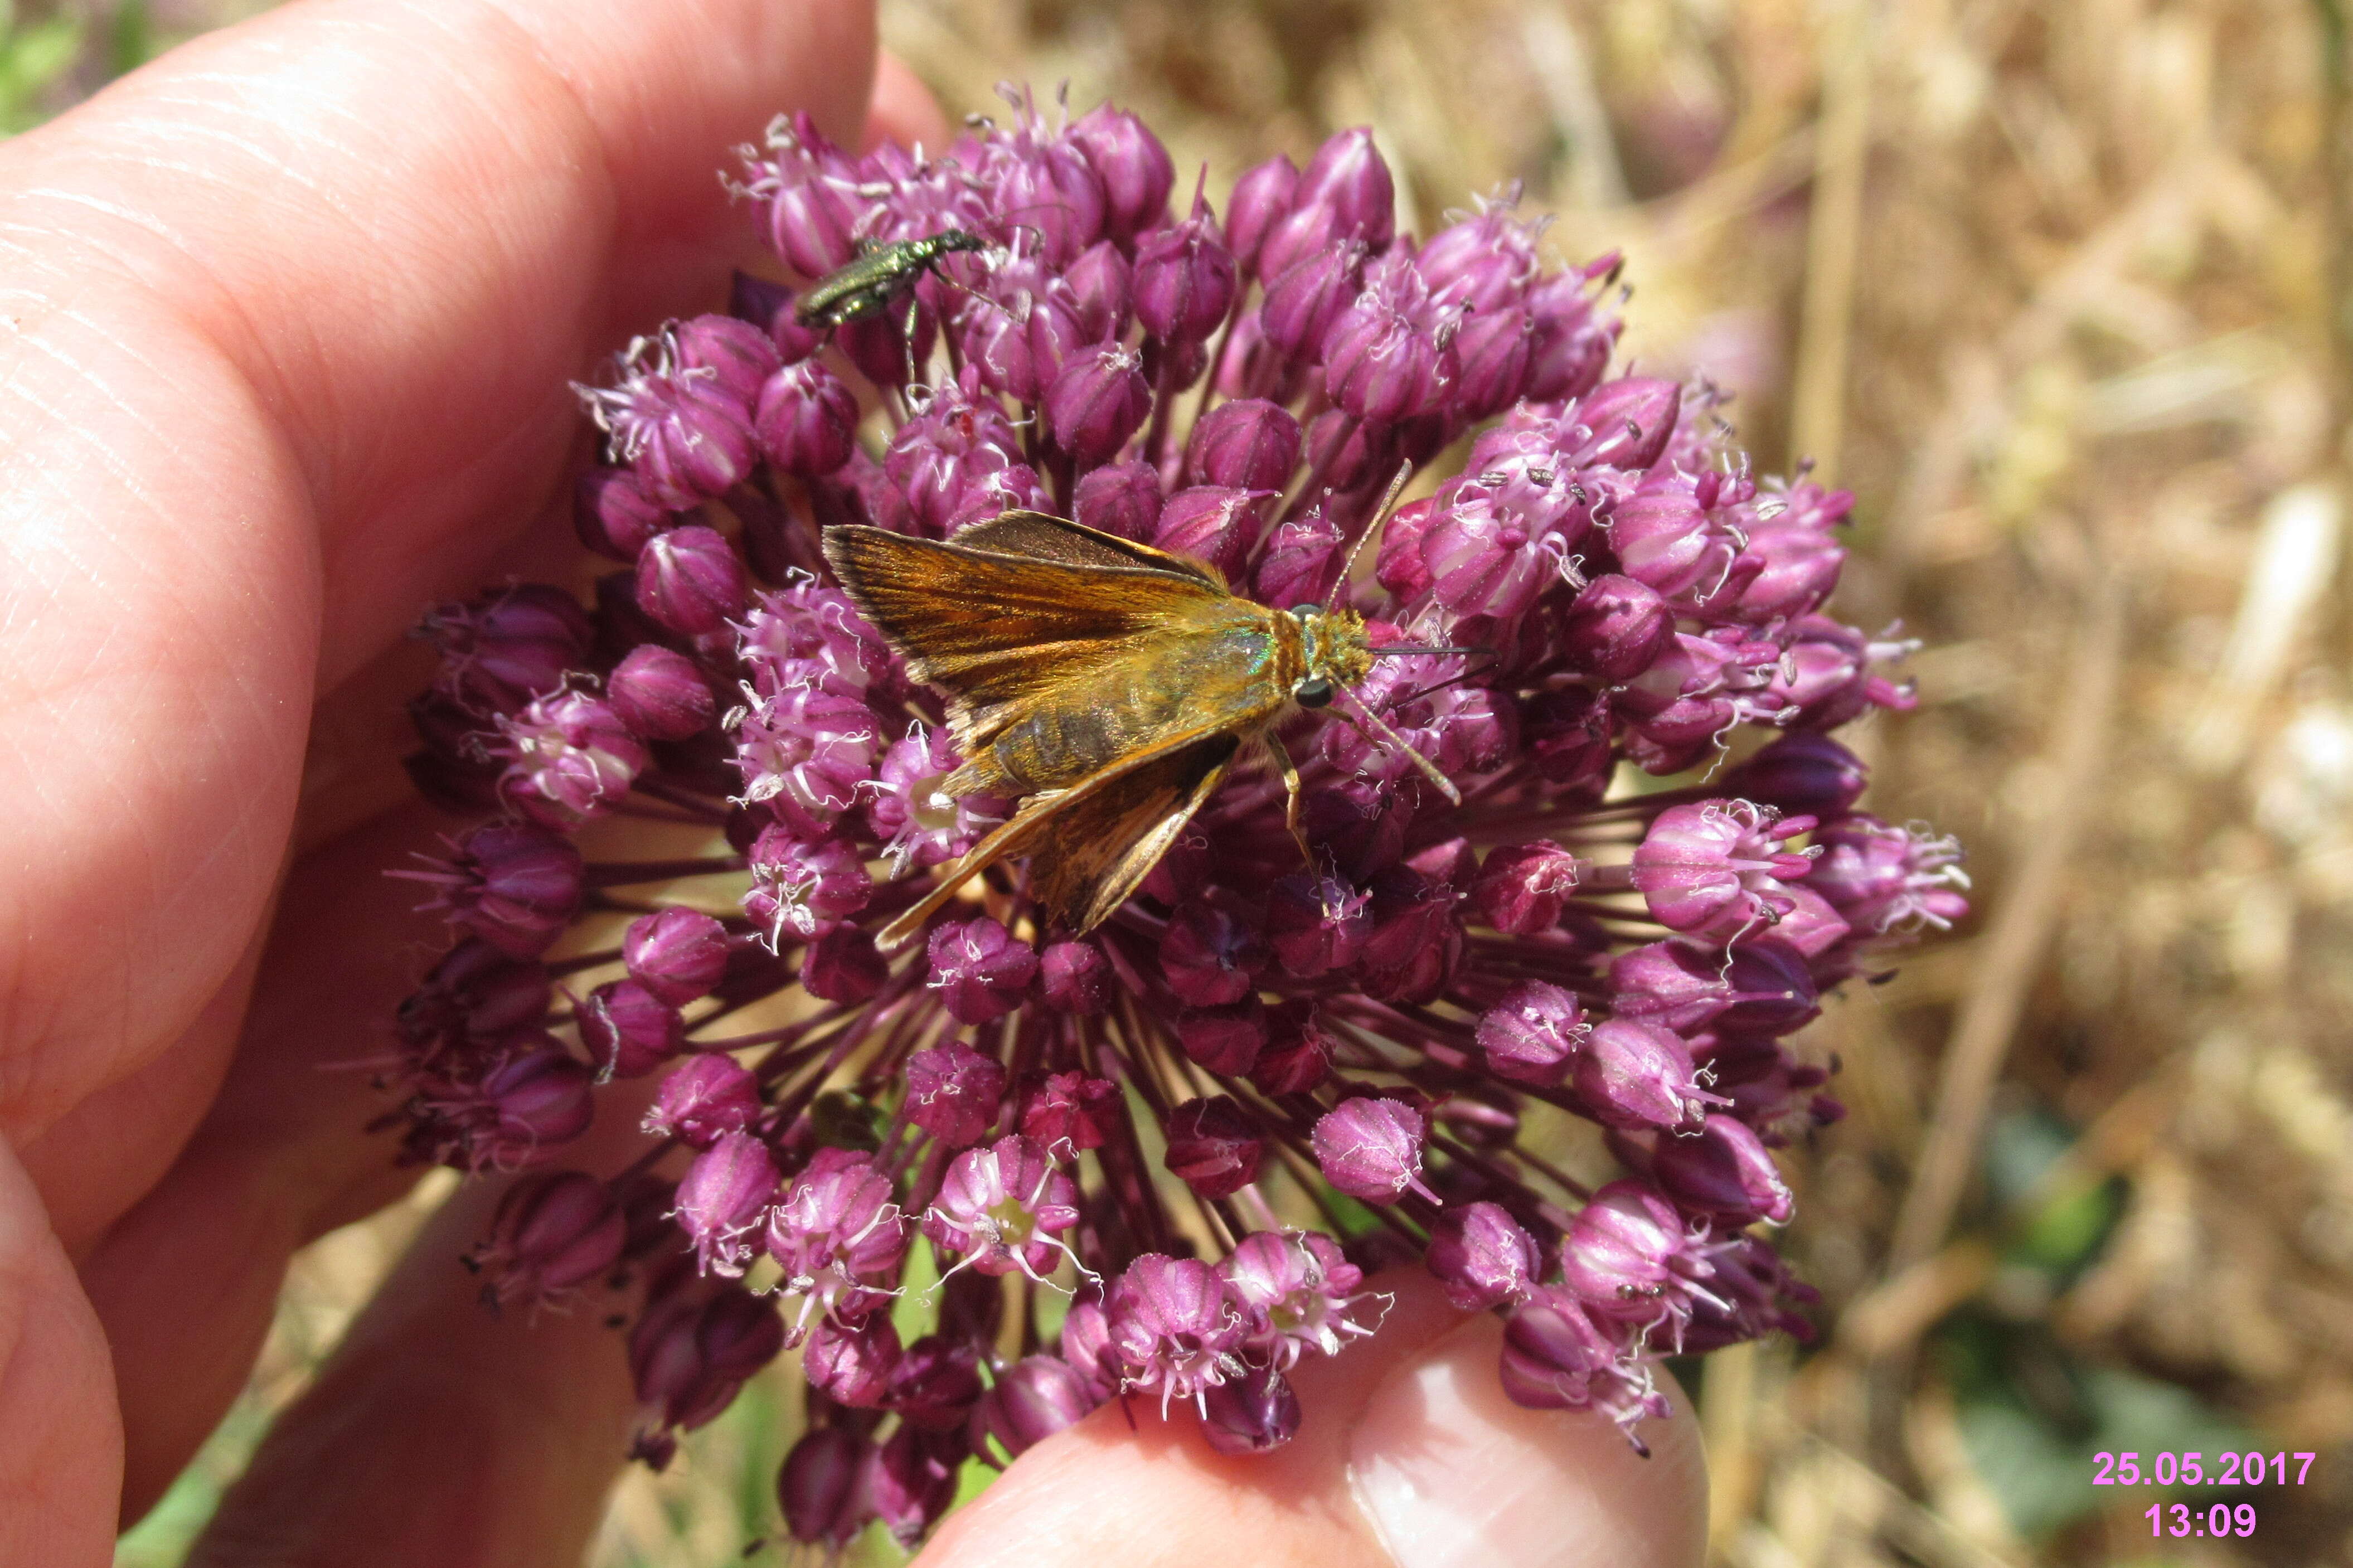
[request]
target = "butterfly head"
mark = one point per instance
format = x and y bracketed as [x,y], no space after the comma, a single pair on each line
[1334,650]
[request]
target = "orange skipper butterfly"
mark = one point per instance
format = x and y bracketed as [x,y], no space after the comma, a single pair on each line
[1108,685]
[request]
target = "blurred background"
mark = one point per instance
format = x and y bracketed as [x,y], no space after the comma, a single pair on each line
[2059,290]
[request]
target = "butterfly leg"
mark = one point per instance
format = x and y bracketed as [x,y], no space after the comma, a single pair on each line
[1291,801]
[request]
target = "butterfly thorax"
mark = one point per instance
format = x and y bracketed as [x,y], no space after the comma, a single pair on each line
[1334,647]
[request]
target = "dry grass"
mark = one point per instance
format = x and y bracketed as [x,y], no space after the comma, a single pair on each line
[2059,290]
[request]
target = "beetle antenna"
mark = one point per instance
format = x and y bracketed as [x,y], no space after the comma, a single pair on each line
[1396,742]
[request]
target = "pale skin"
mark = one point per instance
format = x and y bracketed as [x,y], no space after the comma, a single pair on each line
[286,322]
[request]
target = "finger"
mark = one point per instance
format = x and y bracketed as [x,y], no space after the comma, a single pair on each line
[282,1156]
[438,1432]
[290,313]
[60,1452]
[1408,1454]
[904,110]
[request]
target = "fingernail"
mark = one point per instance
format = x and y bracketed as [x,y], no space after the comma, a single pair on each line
[1453,1475]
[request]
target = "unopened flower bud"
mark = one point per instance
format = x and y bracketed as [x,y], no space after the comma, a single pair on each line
[1632,1074]
[1534,1034]
[1066,1113]
[1226,1040]
[1214,1146]
[1211,955]
[1097,402]
[852,1365]
[1370,1149]
[660,694]
[1123,499]
[628,1031]
[1523,888]
[1726,1171]
[1076,977]
[1214,524]
[1616,628]
[1250,1414]
[1806,774]
[953,1092]
[614,516]
[818,1489]
[1133,167]
[1184,279]
[691,580]
[1481,1257]
[806,419]
[551,1235]
[514,885]
[704,1098]
[676,953]
[1031,1401]
[722,1199]
[978,969]
[1246,444]
[843,966]
[1261,197]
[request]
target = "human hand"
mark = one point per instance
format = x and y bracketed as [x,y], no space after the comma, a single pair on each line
[289,317]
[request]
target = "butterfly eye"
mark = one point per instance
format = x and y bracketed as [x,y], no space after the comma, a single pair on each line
[1312,693]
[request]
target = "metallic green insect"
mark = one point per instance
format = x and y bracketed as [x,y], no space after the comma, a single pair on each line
[882,271]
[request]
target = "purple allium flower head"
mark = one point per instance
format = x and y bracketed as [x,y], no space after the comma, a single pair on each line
[553,1233]
[1423,996]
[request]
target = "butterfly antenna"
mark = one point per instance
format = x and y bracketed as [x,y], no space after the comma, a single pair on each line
[1395,741]
[1389,503]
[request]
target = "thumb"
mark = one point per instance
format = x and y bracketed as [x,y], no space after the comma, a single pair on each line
[1408,1454]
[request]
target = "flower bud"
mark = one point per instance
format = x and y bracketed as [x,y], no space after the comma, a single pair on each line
[1626,1251]
[953,1092]
[1100,283]
[1370,1149]
[1131,164]
[660,694]
[818,1489]
[551,1234]
[1076,977]
[1616,628]
[1261,197]
[508,646]
[1213,524]
[1297,1057]
[690,580]
[1210,955]
[852,1365]
[628,1031]
[1226,1040]
[1251,1413]
[704,1098]
[1481,1257]
[1305,301]
[843,966]
[736,355]
[473,995]
[1184,279]
[1214,1146]
[1491,352]
[1031,1401]
[1534,1034]
[691,1353]
[1066,1113]
[1096,403]
[1625,423]
[677,954]
[1246,444]
[1804,774]
[1716,867]
[1523,888]
[1632,1074]
[806,419]
[978,969]
[514,885]
[1121,498]
[1380,364]
[614,516]
[1301,558]
[536,1099]
[1725,1171]
[1349,177]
